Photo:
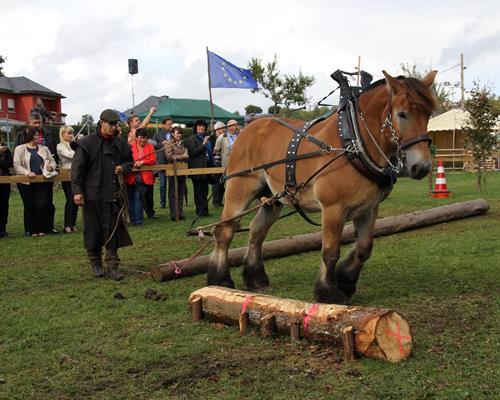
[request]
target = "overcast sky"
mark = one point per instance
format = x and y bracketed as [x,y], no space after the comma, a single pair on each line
[80,48]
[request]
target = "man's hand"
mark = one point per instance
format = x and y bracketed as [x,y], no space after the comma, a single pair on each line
[152,110]
[78,199]
[118,170]
[3,148]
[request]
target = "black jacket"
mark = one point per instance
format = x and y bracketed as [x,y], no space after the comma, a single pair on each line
[5,162]
[93,166]
[159,137]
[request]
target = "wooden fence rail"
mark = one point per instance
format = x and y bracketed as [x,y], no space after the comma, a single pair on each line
[64,175]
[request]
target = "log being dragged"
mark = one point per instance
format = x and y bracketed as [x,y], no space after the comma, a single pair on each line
[312,241]
[373,332]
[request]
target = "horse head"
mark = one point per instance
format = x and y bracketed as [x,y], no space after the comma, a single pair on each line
[411,104]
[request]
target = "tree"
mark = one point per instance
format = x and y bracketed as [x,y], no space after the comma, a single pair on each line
[444,101]
[305,115]
[251,109]
[274,110]
[2,61]
[89,118]
[282,90]
[480,137]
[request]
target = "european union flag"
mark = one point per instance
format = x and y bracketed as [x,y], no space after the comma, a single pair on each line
[224,74]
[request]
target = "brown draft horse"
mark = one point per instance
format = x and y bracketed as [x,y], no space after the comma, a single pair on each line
[340,192]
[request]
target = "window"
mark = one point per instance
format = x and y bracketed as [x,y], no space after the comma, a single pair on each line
[10,105]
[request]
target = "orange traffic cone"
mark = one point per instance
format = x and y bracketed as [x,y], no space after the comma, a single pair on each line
[440,189]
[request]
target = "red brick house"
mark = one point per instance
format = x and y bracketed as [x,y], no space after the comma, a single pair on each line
[18,96]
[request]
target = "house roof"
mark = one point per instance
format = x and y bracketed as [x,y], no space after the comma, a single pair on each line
[187,111]
[21,84]
[145,106]
[454,119]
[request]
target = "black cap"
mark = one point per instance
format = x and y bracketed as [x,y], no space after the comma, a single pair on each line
[109,115]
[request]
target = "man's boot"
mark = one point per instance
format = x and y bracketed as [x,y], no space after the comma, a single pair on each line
[113,264]
[95,259]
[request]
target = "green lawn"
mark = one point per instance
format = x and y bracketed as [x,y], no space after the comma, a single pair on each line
[64,335]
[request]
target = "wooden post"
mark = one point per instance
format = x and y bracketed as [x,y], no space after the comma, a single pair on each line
[243,323]
[196,309]
[295,331]
[267,325]
[348,343]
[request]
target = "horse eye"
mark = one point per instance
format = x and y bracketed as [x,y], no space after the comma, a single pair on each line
[402,115]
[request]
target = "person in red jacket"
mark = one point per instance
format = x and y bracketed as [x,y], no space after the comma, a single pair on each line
[138,182]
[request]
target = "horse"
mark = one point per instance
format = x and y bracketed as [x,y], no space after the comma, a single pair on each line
[389,112]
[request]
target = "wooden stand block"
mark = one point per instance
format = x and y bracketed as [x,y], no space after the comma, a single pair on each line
[348,343]
[295,331]
[196,309]
[243,322]
[267,325]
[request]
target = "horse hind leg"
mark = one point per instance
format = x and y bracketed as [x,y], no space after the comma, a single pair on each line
[254,274]
[237,198]
[349,270]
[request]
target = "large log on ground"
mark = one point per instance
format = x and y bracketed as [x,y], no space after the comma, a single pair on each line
[312,241]
[377,332]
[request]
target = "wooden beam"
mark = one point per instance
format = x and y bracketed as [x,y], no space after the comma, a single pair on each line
[369,331]
[313,241]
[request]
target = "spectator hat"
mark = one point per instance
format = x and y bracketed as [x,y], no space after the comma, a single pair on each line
[109,115]
[219,125]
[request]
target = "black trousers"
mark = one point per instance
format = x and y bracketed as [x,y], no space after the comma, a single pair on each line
[218,193]
[4,206]
[100,225]
[200,188]
[149,201]
[51,209]
[70,208]
[181,190]
[36,201]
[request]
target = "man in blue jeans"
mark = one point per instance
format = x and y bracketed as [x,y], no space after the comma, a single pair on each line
[160,138]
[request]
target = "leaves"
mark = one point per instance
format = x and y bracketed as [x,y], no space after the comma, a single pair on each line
[284,90]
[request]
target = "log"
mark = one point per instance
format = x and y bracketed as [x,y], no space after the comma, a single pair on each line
[312,241]
[368,331]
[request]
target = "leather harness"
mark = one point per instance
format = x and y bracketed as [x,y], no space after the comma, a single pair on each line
[353,144]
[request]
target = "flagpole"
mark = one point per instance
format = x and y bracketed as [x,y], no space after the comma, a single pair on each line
[210,92]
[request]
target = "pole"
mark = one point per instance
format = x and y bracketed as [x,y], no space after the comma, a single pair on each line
[133,95]
[210,92]
[462,100]
[359,70]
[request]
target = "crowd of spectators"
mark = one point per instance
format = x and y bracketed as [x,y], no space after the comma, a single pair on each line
[35,153]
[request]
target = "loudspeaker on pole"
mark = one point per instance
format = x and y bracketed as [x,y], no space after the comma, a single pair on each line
[133,67]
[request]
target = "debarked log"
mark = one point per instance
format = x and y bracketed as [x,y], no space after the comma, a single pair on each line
[373,332]
[312,241]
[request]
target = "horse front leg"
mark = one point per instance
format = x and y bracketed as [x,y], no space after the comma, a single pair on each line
[326,290]
[254,274]
[349,270]
[218,268]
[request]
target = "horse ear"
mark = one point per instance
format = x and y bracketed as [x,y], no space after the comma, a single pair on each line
[428,80]
[393,84]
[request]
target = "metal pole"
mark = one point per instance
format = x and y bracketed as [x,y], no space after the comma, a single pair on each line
[359,70]
[210,92]
[462,101]
[133,95]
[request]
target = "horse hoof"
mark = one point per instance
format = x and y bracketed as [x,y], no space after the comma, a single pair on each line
[259,288]
[330,296]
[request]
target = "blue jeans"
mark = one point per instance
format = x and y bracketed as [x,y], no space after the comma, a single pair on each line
[136,195]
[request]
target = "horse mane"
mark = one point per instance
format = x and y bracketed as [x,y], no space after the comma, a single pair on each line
[416,91]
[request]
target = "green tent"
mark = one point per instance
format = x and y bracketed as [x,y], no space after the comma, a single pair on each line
[187,111]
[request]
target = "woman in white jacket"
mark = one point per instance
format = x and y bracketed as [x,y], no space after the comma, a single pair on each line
[66,154]
[31,159]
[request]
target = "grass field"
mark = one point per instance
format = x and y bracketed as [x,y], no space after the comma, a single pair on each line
[64,335]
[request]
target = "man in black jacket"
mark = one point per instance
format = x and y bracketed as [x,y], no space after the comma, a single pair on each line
[99,162]
[5,165]
[200,156]
[161,138]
